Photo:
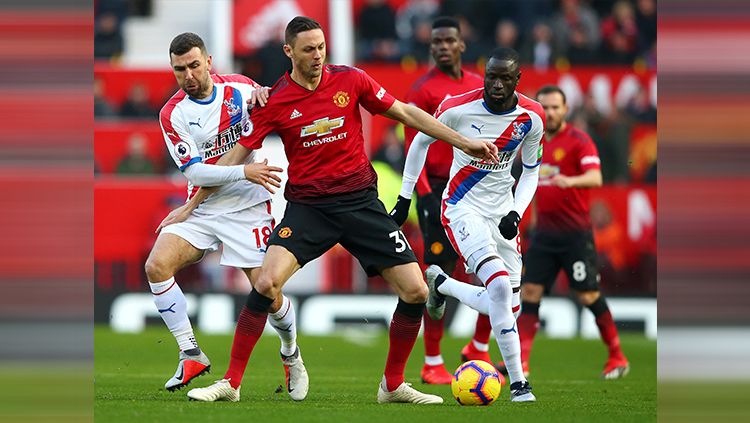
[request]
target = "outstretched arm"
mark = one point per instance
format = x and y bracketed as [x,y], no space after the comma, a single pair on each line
[420,120]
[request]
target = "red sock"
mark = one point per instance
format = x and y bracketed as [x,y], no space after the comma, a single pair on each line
[249,328]
[433,333]
[608,331]
[528,323]
[483,329]
[402,336]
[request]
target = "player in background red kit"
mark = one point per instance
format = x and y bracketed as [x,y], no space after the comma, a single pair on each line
[447,79]
[332,198]
[563,237]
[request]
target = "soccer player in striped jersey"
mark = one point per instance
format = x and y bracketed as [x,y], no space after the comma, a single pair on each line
[480,213]
[200,123]
[448,78]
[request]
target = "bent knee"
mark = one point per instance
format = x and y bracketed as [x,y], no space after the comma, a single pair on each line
[415,294]
[157,270]
[587,298]
[266,285]
[532,292]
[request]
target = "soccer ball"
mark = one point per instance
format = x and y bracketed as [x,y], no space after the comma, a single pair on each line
[476,382]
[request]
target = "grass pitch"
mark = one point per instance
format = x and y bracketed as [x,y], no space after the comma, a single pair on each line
[130,371]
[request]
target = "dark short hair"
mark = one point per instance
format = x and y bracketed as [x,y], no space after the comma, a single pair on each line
[297,25]
[185,42]
[504,53]
[550,89]
[446,22]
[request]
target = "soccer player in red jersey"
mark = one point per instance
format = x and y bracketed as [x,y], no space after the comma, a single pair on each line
[448,78]
[332,198]
[563,237]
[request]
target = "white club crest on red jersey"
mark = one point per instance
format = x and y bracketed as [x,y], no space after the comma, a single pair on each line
[232,109]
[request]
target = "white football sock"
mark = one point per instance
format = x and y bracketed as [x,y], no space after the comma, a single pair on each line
[494,275]
[516,304]
[471,295]
[480,346]
[433,360]
[172,306]
[285,323]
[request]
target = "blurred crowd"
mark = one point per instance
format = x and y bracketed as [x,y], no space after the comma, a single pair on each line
[547,33]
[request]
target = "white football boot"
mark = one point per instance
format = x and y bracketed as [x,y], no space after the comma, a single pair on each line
[405,393]
[297,381]
[221,390]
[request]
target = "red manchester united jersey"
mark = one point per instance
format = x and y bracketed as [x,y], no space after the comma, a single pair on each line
[570,153]
[427,94]
[322,131]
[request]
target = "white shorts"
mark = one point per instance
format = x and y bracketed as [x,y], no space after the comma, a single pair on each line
[243,233]
[469,231]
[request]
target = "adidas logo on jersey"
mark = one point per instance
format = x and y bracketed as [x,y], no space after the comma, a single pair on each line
[295,114]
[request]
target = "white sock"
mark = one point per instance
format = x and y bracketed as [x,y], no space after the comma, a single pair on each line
[172,306]
[494,275]
[433,360]
[480,346]
[285,323]
[471,295]
[516,304]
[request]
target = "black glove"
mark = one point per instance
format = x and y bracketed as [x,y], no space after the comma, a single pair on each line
[400,211]
[431,206]
[509,225]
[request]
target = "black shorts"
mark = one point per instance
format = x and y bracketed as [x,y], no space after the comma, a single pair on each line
[573,252]
[437,248]
[366,231]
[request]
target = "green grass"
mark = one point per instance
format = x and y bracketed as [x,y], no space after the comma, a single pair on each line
[130,371]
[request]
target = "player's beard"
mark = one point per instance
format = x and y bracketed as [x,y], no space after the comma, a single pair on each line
[195,90]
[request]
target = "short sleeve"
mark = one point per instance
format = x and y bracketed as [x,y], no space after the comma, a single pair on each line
[259,124]
[532,148]
[180,144]
[589,156]
[372,96]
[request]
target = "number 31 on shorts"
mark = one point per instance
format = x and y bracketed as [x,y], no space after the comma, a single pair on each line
[400,240]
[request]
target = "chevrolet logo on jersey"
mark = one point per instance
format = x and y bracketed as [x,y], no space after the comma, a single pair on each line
[322,126]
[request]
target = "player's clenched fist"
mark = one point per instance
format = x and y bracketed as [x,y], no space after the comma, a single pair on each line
[509,225]
[401,210]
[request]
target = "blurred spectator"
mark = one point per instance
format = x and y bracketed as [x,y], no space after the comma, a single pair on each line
[108,43]
[272,61]
[540,50]
[645,20]
[377,32]
[620,34]
[576,27]
[136,162]
[506,35]
[391,151]
[475,48]
[640,107]
[418,46]
[102,107]
[137,104]
[411,14]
